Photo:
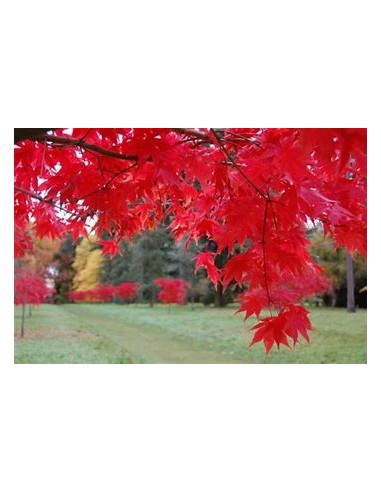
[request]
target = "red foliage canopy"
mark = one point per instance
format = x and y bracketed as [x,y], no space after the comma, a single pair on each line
[30,288]
[173,290]
[250,190]
[127,290]
[105,293]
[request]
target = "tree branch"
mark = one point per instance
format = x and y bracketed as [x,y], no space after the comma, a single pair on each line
[77,142]
[107,184]
[192,132]
[50,202]
[29,133]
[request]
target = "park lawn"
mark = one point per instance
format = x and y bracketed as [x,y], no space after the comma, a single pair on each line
[122,334]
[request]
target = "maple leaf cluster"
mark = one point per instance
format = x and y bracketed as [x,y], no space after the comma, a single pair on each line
[249,190]
[125,291]
[172,290]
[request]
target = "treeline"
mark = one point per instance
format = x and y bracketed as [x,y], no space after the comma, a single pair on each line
[81,267]
[333,262]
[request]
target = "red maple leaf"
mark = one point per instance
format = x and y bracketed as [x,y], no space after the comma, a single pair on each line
[290,322]
[206,260]
[110,247]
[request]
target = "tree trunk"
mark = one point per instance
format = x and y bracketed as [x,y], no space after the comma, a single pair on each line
[218,297]
[351,307]
[30,310]
[152,297]
[333,299]
[22,320]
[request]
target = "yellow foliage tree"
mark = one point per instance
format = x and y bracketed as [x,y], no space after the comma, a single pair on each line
[87,265]
[42,256]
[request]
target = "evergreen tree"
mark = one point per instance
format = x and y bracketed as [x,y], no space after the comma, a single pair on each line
[116,270]
[149,258]
[63,261]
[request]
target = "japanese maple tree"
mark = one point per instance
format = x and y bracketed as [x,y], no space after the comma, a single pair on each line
[126,291]
[172,290]
[251,191]
[29,288]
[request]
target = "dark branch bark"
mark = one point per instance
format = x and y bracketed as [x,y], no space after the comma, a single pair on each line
[30,133]
[76,142]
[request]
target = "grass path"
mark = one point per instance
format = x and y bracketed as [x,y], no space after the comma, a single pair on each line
[138,334]
[150,343]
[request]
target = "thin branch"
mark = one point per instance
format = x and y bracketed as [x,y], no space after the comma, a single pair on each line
[264,255]
[192,132]
[87,134]
[77,142]
[50,202]
[272,211]
[107,184]
[233,164]
[241,137]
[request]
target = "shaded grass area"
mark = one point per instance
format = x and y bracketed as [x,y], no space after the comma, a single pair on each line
[108,333]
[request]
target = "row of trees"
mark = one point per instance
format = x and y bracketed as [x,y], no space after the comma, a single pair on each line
[127,291]
[80,267]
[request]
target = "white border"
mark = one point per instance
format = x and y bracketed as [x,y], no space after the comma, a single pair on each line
[189,428]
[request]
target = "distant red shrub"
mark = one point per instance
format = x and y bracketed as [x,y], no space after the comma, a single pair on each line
[173,290]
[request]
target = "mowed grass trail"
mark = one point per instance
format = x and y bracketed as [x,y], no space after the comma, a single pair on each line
[123,334]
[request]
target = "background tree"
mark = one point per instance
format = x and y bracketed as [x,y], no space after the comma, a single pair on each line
[30,288]
[172,290]
[334,262]
[63,261]
[87,265]
[117,269]
[126,291]
[149,258]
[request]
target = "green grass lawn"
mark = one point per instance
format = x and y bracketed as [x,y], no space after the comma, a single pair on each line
[123,334]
